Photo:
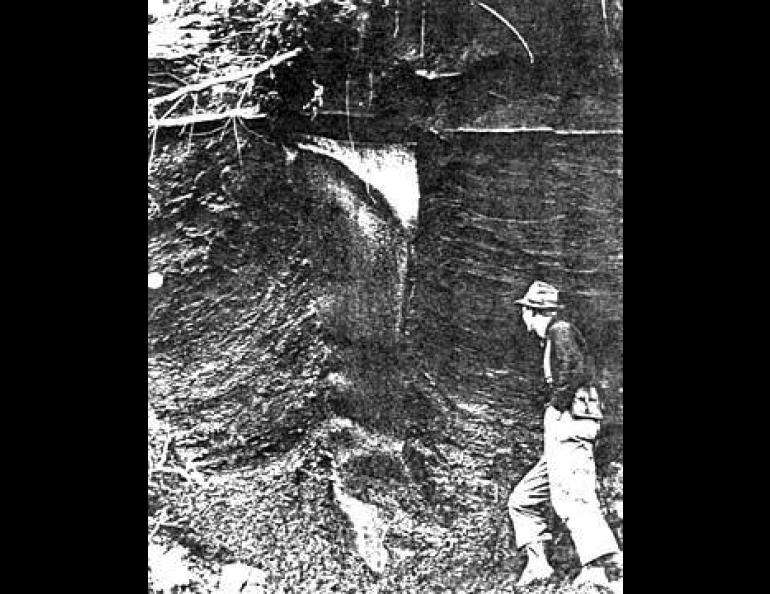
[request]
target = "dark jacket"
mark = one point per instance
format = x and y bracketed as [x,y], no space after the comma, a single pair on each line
[571,365]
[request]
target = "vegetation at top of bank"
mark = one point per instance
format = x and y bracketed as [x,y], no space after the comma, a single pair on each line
[284,58]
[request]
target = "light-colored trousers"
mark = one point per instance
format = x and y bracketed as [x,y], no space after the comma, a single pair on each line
[565,474]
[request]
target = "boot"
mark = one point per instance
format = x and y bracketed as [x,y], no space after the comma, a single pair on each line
[614,565]
[592,575]
[537,567]
[615,572]
[606,571]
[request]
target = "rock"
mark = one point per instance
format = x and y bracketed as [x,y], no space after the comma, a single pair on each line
[238,578]
[369,528]
[338,380]
[167,568]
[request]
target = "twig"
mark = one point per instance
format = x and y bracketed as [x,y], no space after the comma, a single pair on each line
[264,67]
[604,16]
[155,85]
[347,110]
[195,106]
[152,149]
[478,215]
[371,89]
[508,24]
[350,114]
[237,142]
[422,29]
[192,126]
[498,96]
[163,516]
[172,108]
[247,89]
[179,79]
[398,19]
[164,451]
[432,75]
[153,123]
[210,132]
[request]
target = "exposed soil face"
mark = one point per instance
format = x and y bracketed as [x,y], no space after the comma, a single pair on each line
[262,389]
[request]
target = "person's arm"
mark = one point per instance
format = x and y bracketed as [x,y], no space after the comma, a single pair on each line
[570,429]
[568,365]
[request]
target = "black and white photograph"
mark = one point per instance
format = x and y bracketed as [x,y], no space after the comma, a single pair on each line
[385,296]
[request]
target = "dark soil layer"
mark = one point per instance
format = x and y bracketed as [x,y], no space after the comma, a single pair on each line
[499,211]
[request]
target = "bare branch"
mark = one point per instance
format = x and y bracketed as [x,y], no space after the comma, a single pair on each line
[238,143]
[245,113]
[264,67]
[508,24]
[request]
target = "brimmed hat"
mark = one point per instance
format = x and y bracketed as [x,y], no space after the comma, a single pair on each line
[541,295]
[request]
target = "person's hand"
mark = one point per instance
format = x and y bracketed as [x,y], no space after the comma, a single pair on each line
[561,400]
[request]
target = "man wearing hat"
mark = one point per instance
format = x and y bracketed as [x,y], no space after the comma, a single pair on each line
[566,473]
